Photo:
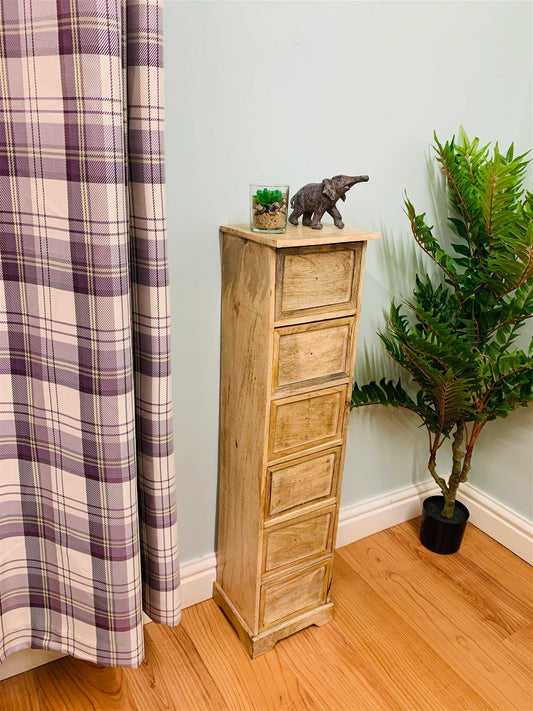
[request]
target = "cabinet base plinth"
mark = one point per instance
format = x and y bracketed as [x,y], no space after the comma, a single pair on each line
[259,644]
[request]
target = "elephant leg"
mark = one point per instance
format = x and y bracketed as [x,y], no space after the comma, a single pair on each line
[317,216]
[337,219]
[295,214]
[306,220]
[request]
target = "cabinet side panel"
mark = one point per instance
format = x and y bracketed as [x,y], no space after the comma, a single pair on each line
[246,343]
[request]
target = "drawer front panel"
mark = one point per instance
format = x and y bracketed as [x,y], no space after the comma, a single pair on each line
[298,540]
[306,421]
[311,351]
[298,483]
[316,279]
[302,592]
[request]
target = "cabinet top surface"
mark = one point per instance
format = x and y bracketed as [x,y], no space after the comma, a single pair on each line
[302,236]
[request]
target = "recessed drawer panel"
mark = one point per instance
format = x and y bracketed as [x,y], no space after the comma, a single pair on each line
[301,592]
[302,481]
[304,421]
[312,351]
[317,279]
[297,540]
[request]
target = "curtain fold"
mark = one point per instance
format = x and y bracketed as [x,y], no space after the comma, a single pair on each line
[88,530]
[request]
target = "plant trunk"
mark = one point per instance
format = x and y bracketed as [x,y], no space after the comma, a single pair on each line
[449,501]
[458,472]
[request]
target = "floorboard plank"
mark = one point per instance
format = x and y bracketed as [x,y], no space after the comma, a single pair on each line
[262,684]
[335,670]
[413,670]
[19,693]
[412,631]
[70,683]
[505,580]
[520,645]
[174,674]
[442,604]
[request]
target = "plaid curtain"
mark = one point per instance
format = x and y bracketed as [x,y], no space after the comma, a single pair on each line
[87,501]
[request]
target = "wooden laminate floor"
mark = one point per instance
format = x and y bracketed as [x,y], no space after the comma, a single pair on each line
[412,630]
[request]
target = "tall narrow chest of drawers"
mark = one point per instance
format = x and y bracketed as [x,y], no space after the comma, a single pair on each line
[290,308]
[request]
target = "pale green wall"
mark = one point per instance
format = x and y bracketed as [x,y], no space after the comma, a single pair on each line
[293,92]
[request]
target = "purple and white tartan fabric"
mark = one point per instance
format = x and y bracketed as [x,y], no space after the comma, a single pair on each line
[88,531]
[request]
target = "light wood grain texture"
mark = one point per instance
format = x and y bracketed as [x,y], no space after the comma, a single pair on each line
[246,342]
[301,236]
[387,643]
[284,610]
[317,282]
[245,684]
[302,481]
[377,653]
[520,646]
[299,539]
[316,278]
[303,422]
[296,594]
[288,328]
[311,354]
[409,585]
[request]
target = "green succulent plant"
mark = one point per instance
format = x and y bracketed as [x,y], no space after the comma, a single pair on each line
[268,197]
[456,337]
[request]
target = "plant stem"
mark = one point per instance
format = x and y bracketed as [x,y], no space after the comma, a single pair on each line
[459,471]
[432,463]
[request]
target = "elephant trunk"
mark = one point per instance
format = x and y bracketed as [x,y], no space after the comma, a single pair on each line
[356,179]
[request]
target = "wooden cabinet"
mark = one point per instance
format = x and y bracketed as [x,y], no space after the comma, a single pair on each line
[290,307]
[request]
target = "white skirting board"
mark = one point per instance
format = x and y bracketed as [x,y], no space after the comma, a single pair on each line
[504,525]
[493,518]
[377,514]
[197,578]
[355,522]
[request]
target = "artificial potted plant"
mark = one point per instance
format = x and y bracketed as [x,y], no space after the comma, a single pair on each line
[457,337]
[268,208]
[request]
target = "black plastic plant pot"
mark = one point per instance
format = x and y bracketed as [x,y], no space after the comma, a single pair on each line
[439,534]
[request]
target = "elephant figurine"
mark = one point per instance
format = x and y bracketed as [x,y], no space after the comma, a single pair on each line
[314,199]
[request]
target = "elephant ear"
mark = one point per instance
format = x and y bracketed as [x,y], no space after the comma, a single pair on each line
[328,189]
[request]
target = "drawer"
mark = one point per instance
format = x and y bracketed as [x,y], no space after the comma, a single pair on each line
[304,481]
[293,596]
[311,352]
[317,280]
[303,421]
[298,540]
